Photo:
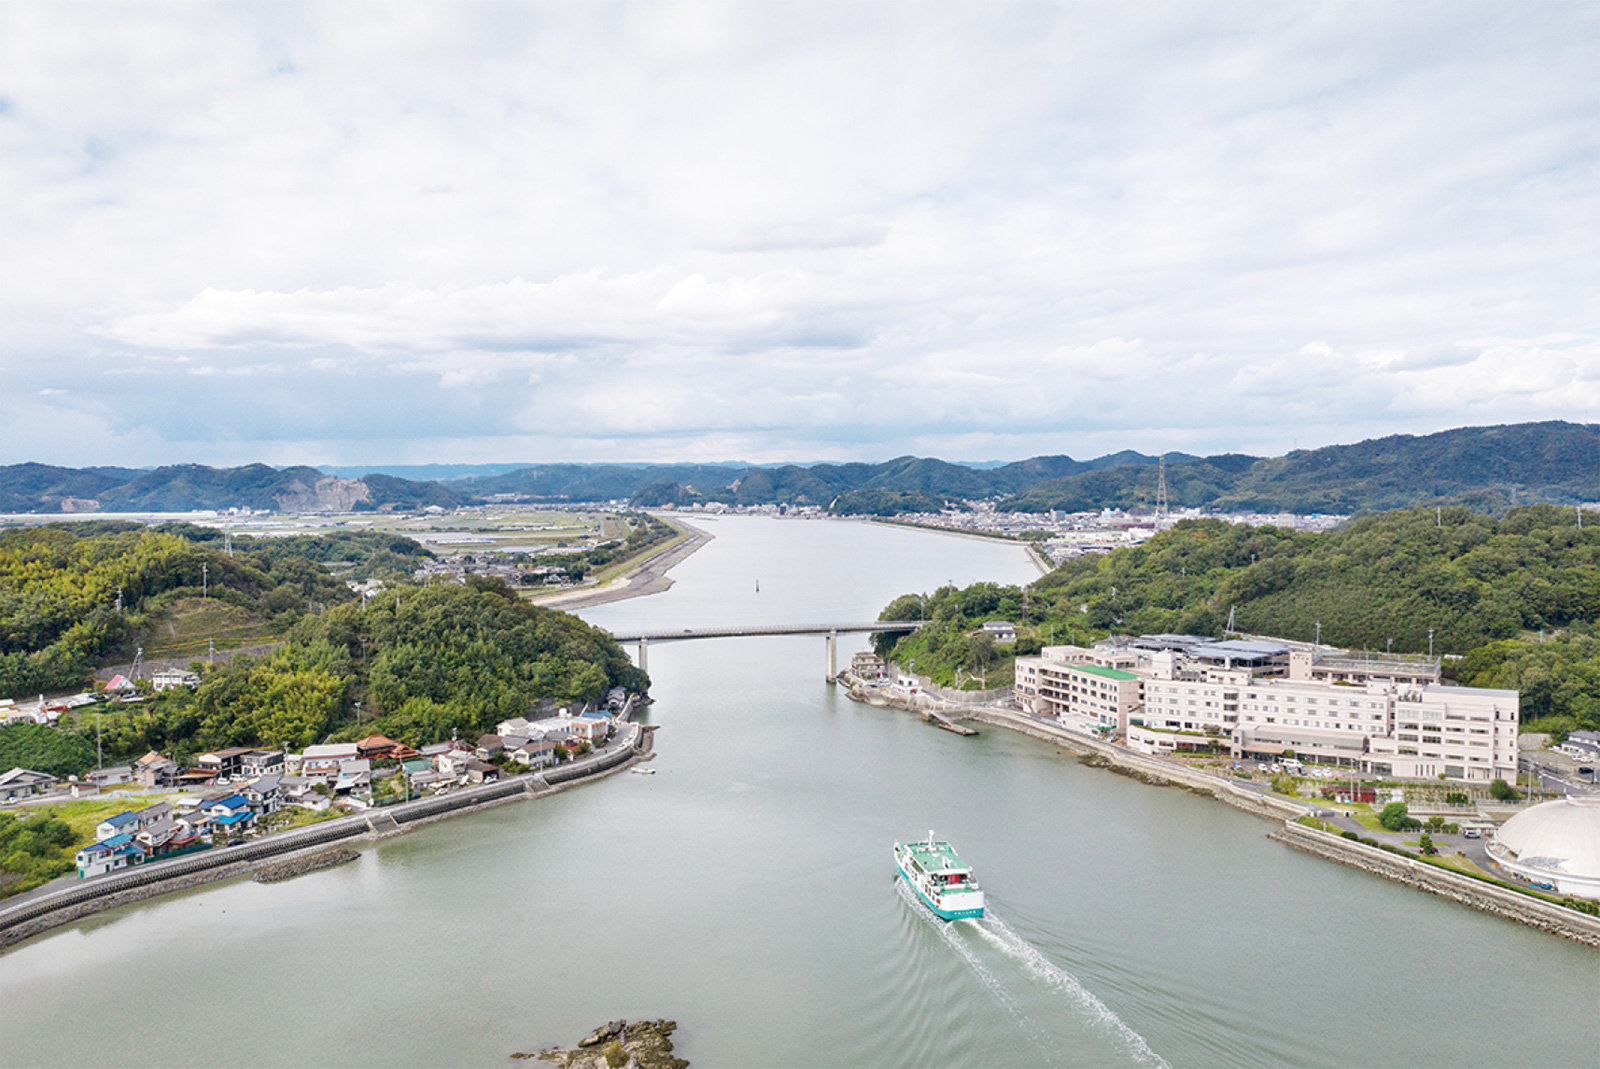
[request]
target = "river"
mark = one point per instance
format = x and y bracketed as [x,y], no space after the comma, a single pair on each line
[746,890]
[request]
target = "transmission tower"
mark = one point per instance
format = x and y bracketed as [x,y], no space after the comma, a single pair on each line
[1161,492]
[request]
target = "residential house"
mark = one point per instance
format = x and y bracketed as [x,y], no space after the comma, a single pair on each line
[355,777]
[374,747]
[168,678]
[196,777]
[107,855]
[197,823]
[24,783]
[590,727]
[481,771]
[114,776]
[489,745]
[517,725]
[153,770]
[231,815]
[161,836]
[120,685]
[260,763]
[265,793]
[226,764]
[454,762]
[1584,745]
[535,753]
[133,821]
[1002,631]
[322,762]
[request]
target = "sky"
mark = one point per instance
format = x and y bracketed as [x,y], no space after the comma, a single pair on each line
[390,233]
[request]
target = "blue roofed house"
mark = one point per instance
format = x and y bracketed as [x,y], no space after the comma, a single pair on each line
[232,814]
[108,855]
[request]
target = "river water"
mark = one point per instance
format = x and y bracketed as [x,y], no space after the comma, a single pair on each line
[746,890]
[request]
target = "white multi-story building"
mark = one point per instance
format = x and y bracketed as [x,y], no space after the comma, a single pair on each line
[1398,720]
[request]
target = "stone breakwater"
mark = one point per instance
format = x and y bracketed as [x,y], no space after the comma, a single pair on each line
[26,919]
[1479,894]
[1557,920]
[300,866]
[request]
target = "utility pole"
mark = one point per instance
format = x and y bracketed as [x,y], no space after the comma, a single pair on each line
[1318,639]
[1430,642]
[205,580]
[119,601]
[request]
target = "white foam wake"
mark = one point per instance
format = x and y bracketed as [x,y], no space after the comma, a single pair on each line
[947,932]
[1005,937]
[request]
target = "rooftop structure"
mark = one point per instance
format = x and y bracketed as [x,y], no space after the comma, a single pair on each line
[1554,845]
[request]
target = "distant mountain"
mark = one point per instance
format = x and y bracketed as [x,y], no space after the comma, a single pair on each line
[190,487]
[1488,468]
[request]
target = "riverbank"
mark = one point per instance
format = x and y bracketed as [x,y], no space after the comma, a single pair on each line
[1037,558]
[24,920]
[1481,895]
[646,576]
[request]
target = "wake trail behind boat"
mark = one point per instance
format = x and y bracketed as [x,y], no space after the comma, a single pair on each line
[988,979]
[1003,936]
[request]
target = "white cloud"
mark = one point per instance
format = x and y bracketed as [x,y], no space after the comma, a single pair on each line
[793,231]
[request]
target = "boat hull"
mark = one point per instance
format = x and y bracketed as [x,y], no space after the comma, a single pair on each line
[967,905]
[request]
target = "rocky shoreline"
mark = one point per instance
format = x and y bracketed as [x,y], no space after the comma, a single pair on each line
[618,1044]
[300,866]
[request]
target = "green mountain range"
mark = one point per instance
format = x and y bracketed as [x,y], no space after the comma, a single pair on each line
[1487,468]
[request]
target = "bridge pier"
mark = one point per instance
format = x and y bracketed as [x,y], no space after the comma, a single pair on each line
[833,656]
[644,654]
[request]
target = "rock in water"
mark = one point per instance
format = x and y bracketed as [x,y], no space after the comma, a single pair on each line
[619,1045]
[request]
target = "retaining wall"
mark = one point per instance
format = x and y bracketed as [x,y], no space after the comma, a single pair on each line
[1558,920]
[25,919]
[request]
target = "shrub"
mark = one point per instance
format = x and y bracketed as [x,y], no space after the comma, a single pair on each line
[1349,835]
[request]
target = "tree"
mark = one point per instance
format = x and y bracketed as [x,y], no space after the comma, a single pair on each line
[1426,844]
[1501,791]
[1394,816]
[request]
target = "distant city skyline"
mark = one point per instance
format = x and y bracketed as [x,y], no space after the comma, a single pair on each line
[386,234]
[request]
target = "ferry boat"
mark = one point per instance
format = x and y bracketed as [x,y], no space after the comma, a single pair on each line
[941,879]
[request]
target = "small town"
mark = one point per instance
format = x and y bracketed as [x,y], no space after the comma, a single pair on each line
[237,794]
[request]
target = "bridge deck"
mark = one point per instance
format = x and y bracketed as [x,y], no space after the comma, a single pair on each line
[768,629]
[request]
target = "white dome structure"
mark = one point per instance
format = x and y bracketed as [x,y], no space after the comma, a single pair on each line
[1554,844]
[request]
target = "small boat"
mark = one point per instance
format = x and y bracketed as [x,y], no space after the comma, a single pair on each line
[941,879]
[643,771]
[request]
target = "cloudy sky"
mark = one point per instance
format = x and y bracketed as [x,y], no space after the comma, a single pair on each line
[402,233]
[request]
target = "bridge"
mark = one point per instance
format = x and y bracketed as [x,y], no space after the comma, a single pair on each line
[831,632]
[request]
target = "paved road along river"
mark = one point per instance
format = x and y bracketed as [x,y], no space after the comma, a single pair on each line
[746,890]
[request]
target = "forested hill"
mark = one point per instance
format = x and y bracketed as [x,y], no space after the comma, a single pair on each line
[73,594]
[1518,597]
[1488,468]
[418,661]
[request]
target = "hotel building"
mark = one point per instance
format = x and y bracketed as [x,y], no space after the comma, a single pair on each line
[1264,698]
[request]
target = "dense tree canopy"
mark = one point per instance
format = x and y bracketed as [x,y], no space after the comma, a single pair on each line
[1516,597]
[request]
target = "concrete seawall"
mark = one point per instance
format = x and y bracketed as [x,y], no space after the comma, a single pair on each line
[1478,894]
[27,919]
[1557,920]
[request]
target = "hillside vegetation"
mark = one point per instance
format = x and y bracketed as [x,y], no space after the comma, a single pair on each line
[421,661]
[59,587]
[1484,587]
